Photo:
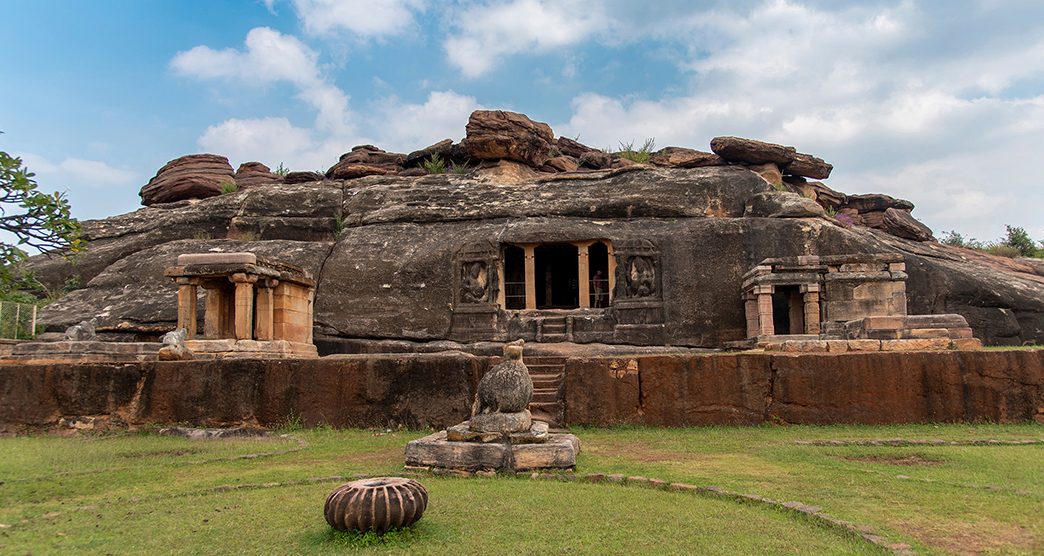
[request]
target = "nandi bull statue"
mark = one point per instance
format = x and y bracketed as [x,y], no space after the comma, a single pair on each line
[503,395]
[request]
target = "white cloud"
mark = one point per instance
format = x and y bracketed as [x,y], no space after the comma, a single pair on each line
[486,33]
[76,172]
[888,94]
[407,127]
[271,56]
[365,18]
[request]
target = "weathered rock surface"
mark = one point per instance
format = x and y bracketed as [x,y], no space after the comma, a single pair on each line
[585,156]
[874,388]
[196,176]
[809,166]
[782,204]
[750,151]
[416,391]
[251,174]
[382,249]
[681,157]
[493,134]
[900,223]
[443,149]
[302,177]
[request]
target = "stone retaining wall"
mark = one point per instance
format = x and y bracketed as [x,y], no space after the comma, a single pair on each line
[369,391]
[435,390]
[872,388]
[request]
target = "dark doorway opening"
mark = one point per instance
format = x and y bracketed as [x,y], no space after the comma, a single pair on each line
[598,261]
[788,310]
[556,276]
[514,277]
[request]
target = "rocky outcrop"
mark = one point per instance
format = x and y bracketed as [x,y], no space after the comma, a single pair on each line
[495,134]
[252,174]
[196,176]
[750,151]
[680,157]
[382,236]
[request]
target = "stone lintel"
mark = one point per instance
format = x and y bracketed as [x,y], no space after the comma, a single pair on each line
[218,258]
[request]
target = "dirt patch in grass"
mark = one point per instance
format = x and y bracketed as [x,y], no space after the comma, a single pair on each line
[970,538]
[896,460]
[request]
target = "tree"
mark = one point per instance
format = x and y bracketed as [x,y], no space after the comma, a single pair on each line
[37,220]
[1019,239]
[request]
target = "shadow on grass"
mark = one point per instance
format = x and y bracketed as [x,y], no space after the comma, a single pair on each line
[396,538]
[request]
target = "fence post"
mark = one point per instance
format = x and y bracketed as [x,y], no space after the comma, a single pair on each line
[32,331]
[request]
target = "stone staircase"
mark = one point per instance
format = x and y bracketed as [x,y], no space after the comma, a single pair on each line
[553,329]
[547,373]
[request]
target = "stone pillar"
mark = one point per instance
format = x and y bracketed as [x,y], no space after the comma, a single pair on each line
[311,315]
[812,311]
[187,305]
[215,310]
[264,307]
[244,312]
[765,324]
[796,314]
[531,300]
[612,271]
[584,275]
[750,309]
[501,295]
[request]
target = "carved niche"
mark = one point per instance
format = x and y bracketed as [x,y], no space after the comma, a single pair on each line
[475,274]
[637,270]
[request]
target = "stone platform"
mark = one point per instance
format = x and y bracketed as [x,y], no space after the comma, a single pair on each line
[250,349]
[83,351]
[437,451]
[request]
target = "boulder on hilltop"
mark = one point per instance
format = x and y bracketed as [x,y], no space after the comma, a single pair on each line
[495,134]
[195,176]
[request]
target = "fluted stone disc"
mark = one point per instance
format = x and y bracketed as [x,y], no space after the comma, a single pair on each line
[379,504]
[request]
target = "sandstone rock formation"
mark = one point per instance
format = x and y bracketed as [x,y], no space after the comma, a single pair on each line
[196,176]
[383,246]
[493,134]
[251,174]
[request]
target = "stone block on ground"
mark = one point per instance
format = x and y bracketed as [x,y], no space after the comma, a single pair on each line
[436,451]
[750,151]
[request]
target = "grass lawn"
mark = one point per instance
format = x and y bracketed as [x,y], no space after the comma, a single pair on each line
[145,494]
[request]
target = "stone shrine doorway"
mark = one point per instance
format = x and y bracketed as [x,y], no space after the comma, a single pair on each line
[788,310]
[557,283]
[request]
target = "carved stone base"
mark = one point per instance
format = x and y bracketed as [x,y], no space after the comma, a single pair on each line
[437,451]
[536,434]
[501,422]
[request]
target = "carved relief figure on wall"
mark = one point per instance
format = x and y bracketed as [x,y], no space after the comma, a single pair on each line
[641,277]
[474,283]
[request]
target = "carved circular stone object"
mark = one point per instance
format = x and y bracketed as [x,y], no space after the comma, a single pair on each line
[379,504]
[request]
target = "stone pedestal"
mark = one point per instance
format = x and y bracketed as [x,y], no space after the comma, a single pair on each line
[516,453]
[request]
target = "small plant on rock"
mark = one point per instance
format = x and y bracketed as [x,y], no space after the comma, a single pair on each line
[459,169]
[228,187]
[435,165]
[281,170]
[640,154]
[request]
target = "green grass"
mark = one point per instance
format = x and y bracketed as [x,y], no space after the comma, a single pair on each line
[142,494]
[637,154]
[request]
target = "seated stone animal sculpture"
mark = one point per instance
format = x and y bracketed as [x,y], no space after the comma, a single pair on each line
[503,395]
[82,332]
[174,346]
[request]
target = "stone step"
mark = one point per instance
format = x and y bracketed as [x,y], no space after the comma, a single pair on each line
[554,338]
[544,359]
[547,383]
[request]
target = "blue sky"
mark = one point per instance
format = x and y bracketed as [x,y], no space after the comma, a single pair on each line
[938,102]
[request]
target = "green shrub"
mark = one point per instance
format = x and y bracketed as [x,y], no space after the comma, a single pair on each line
[459,169]
[1019,240]
[639,155]
[228,187]
[435,165]
[281,170]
